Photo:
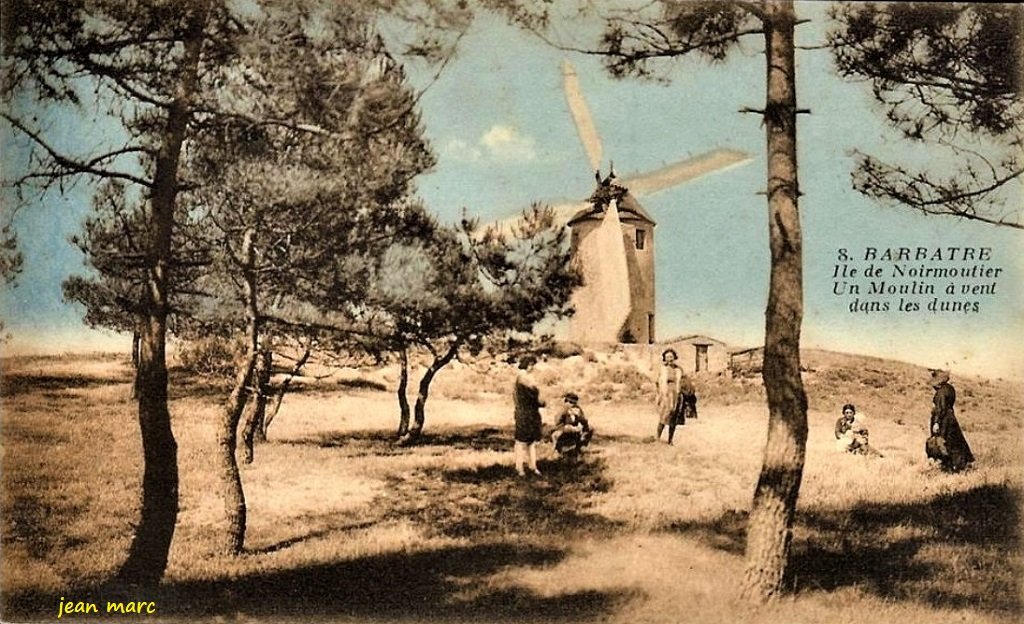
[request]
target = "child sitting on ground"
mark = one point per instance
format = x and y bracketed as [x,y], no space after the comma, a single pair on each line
[573,423]
[852,434]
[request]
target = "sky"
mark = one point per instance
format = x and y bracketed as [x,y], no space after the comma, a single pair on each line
[499,123]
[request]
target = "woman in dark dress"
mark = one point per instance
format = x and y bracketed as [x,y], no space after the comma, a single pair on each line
[947,444]
[527,416]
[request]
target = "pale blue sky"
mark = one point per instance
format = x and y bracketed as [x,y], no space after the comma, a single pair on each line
[498,120]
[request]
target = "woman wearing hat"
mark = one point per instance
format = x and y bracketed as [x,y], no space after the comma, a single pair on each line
[947,443]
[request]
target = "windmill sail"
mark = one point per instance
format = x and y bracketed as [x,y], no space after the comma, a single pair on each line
[581,115]
[563,212]
[685,170]
[616,300]
[601,257]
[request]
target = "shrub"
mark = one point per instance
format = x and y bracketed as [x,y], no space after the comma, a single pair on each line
[625,374]
[565,349]
[211,355]
[742,370]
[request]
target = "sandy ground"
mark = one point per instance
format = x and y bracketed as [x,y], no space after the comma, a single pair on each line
[445,531]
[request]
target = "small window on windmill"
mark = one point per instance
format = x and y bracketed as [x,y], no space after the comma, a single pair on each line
[641,236]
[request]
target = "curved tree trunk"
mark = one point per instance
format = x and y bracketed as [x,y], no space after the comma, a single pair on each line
[253,427]
[279,398]
[420,410]
[227,434]
[259,433]
[147,556]
[769,529]
[227,439]
[151,543]
[403,388]
[247,441]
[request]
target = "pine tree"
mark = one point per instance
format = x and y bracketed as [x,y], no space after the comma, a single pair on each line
[633,43]
[949,76]
[155,71]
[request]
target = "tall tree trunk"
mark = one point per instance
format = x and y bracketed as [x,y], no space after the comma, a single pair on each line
[151,543]
[227,434]
[227,438]
[769,531]
[253,430]
[420,410]
[138,322]
[263,398]
[403,388]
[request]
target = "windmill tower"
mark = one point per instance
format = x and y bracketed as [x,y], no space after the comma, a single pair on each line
[613,237]
[613,248]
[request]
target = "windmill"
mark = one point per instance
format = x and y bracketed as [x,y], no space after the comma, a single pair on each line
[613,236]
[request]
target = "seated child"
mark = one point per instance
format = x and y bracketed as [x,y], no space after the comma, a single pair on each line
[571,421]
[852,434]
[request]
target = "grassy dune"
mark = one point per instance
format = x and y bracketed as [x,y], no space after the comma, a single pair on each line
[346,526]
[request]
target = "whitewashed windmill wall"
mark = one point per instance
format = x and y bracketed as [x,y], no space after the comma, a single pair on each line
[614,251]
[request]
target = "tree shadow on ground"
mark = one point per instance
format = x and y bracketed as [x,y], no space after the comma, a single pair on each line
[185,384]
[479,500]
[354,443]
[359,383]
[447,584]
[321,526]
[474,437]
[386,442]
[509,522]
[957,550]
[727,532]
[32,515]
[492,501]
[644,438]
[489,502]
[467,437]
[951,551]
[13,384]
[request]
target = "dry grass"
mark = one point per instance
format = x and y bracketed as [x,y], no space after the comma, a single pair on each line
[346,526]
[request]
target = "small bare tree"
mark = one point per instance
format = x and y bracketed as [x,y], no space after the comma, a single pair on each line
[448,292]
[330,179]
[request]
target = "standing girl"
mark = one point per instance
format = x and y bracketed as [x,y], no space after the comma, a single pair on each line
[527,415]
[670,407]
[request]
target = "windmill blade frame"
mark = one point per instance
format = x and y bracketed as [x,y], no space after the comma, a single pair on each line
[581,115]
[563,213]
[639,185]
[684,171]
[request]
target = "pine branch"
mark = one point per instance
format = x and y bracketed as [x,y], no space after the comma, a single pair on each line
[68,166]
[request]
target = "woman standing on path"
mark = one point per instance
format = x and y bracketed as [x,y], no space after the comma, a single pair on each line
[670,407]
[947,443]
[527,415]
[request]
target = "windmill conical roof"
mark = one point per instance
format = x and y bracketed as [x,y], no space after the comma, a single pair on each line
[629,210]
